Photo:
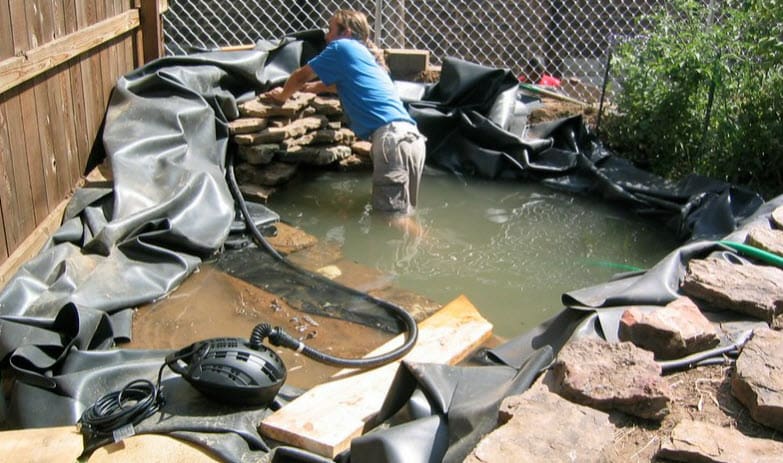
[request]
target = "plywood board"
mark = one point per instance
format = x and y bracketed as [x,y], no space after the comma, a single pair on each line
[327,417]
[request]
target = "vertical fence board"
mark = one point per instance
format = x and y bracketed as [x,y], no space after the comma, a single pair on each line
[79,106]
[91,74]
[40,112]
[57,153]
[7,201]
[9,229]
[66,114]
[28,172]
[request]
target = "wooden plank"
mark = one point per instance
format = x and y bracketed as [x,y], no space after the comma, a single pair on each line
[327,417]
[64,445]
[44,445]
[30,63]
[6,38]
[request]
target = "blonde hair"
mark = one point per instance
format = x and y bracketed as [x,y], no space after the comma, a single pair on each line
[360,28]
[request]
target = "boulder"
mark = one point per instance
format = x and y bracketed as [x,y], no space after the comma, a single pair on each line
[247,125]
[315,155]
[758,381]
[670,332]
[258,154]
[608,377]
[767,239]
[755,290]
[695,441]
[534,430]
[777,217]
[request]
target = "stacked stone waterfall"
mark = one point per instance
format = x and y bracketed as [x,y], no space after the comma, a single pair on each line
[273,140]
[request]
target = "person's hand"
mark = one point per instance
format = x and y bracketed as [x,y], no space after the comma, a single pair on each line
[276,95]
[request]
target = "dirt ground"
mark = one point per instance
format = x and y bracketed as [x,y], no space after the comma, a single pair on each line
[556,109]
[701,394]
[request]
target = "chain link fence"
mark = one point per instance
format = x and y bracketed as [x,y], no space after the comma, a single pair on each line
[572,37]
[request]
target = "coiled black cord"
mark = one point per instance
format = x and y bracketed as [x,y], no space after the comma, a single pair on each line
[138,400]
[278,337]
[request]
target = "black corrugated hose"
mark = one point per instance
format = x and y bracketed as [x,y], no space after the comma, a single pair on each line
[278,337]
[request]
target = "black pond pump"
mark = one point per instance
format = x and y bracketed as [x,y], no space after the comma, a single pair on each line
[230,370]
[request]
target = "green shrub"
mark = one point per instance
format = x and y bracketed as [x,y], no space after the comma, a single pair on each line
[702,91]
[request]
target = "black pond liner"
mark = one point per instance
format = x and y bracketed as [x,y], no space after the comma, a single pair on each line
[169,209]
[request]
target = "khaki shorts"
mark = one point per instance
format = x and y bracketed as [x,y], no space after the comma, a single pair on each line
[398,154]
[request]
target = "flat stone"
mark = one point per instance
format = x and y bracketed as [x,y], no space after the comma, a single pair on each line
[255,193]
[343,136]
[355,163]
[777,217]
[264,107]
[296,128]
[758,381]
[767,239]
[269,175]
[534,430]
[362,149]
[258,154]
[361,277]
[247,125]
[695,441]
[315,155]
[322,254]
[611,376]
[304,140]
[331,272]
[755,290]
[290,239]
[670,332]
[328,106]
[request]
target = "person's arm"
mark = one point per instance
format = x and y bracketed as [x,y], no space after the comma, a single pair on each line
[319,87]
[295,81]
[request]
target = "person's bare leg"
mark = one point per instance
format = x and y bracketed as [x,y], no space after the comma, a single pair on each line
[407,224]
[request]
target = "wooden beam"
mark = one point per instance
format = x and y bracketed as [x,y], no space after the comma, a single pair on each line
[56,445]
[14,71]
[326,418]
[151,30]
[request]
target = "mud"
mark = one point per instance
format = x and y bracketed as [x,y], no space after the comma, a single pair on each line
[211,303]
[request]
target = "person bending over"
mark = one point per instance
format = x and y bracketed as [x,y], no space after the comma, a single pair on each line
[353,67]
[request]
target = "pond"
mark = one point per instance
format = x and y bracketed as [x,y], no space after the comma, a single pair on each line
[513,248]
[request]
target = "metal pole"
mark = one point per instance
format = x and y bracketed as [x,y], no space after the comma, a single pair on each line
[378,22]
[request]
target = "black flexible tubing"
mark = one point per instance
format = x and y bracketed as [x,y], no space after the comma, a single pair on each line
[698,357]
[278,337]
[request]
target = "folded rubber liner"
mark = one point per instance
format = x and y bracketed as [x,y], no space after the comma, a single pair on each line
[169,210]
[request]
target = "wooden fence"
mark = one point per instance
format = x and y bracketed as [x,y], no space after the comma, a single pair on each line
[59,61]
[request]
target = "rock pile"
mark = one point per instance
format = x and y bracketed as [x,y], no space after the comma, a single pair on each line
[274,140]
[592,381]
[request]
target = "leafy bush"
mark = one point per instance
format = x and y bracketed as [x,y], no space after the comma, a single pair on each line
[702,92]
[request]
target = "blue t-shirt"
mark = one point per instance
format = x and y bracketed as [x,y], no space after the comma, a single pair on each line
[366,91]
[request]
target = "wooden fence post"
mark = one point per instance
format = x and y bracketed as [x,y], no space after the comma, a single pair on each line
[151,29]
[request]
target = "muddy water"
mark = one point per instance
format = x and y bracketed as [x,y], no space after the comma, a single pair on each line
[512,248]
[213,304]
